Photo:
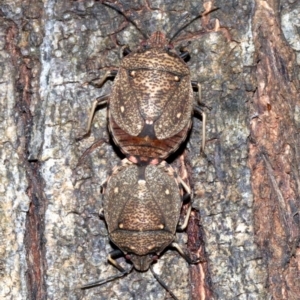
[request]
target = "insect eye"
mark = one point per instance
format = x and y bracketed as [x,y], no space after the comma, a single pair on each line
[169,47]
[176,78]
[128,257]
[132,73]
[154,258]
[144,44]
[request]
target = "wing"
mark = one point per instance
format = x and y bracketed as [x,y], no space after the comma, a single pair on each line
[165,192]
[124,106]
[178,111]
[120,189]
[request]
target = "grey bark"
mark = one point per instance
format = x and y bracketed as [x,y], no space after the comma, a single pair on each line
[52,239]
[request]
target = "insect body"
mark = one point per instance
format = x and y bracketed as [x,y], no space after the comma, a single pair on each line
[151,104]
[141,207]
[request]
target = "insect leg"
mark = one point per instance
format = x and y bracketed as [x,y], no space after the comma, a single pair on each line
[185,186]
[181,227]
[113,254]
[98,101]
[197,85]
[184,55]
[199,111]
[172,173]
[185,256]
[203,114]
[111,258]
[111,73]
[125,50]
[101,213]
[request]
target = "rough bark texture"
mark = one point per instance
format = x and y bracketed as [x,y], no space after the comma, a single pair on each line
[246,208]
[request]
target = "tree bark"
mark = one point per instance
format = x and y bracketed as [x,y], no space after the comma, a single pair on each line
[245,220]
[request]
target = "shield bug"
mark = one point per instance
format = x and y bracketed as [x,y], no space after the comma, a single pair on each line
[151,105]
[142,207]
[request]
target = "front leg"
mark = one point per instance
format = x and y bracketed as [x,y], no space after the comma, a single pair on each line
[111,73]
[99,101]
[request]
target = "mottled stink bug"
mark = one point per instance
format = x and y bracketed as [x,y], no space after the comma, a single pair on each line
[141,206]
[151,105]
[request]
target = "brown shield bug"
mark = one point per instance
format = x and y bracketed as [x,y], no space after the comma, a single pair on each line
[141,207]
[151,105]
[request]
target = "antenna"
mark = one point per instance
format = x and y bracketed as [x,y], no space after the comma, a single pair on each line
[162,283]
[183,18]
[102,281]
[189,23]
[128,18]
